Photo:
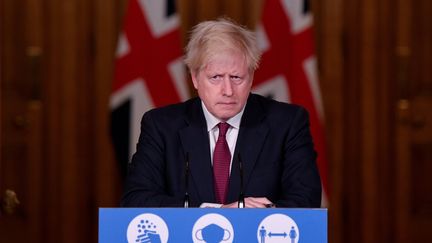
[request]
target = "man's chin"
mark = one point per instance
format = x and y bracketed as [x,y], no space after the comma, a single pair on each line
[226,115]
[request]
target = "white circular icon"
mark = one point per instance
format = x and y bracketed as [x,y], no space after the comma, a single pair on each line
[212,228]
[278,228]
[147,227]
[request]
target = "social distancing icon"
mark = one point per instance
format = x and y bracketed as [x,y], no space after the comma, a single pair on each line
[278,228]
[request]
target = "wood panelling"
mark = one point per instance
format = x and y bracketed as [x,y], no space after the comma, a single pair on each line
[351,229]
[414,122]
[58,60]
[20,113]
[79,62]
[367,190]
[107,22]
[242,11]
[329,41]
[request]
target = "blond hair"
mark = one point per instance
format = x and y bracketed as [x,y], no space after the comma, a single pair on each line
[210,37]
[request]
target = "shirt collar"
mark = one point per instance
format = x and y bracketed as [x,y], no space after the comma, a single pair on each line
[212,121]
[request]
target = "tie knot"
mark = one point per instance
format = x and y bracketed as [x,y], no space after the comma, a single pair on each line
[223,128]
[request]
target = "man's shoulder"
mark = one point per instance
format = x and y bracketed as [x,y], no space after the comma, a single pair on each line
[272,106]
[277,114]
[174,109]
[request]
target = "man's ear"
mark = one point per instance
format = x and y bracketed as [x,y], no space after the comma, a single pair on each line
[251,77]
[194,79]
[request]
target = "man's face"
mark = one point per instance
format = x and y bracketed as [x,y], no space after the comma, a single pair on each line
[224,84]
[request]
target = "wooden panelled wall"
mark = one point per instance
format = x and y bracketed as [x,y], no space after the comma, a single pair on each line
[363,49]
[57,66]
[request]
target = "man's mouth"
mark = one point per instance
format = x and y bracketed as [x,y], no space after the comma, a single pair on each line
[227,103]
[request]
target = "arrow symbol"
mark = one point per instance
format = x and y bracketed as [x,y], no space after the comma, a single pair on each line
[277,234]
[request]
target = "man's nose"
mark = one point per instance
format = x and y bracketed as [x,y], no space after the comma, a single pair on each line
[227,87]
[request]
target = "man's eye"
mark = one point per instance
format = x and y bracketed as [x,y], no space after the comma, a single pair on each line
[236,79]
[216,77]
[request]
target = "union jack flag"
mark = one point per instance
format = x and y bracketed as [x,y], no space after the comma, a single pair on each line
[148,70]
[288,70]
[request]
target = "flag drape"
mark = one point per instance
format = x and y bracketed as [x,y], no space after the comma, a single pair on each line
[288,71]
[149,71]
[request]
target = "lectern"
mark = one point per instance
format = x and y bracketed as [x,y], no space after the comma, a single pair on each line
[212,225]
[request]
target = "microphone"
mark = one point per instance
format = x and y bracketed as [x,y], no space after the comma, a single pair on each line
[186,174]
[241,202]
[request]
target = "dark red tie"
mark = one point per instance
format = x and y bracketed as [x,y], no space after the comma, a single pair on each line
[221,163]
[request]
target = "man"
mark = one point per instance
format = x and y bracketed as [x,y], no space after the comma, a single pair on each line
[227,142]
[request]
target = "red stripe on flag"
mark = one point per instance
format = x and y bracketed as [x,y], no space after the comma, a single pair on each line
[148,57]
[286,56]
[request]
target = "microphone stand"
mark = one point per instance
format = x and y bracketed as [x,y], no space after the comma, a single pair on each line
[241,201]
[186,196]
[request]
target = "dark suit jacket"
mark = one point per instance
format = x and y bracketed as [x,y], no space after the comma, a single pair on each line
[274,142]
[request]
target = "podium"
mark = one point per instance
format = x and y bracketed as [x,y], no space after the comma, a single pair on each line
[212,225]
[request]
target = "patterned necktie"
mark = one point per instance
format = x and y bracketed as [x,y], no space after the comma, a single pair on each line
[221,163]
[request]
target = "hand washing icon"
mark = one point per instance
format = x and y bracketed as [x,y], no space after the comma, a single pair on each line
[149,228]
[213,233]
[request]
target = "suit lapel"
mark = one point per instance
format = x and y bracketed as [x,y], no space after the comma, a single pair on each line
[252,134]
[194,139]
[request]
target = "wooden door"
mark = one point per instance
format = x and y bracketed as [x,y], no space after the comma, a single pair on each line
[21,173]
[414,122]
[56,155]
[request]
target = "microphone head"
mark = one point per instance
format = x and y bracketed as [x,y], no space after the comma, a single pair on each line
[186,200]
[241,202]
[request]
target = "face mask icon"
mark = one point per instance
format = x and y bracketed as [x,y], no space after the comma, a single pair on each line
[212,233]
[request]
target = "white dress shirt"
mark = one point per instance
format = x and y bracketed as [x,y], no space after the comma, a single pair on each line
[213,132]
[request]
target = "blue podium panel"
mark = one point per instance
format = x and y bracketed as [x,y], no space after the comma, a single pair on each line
[212,225]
